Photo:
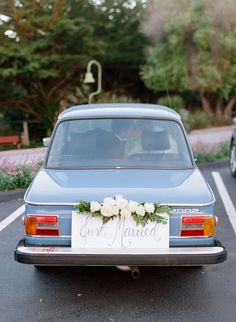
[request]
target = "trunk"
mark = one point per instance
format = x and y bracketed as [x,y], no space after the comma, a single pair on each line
[174,187]
[229,107]
[206,105]
[218,109]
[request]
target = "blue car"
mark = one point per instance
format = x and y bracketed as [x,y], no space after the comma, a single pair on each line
[119,187]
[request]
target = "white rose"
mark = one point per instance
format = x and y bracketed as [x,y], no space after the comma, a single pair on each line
[140,210]
[125,213]
[95,206]
[133,205]
[109,201]
[115,210]
[122,203]
[118,197]
[106,211]
[149,207]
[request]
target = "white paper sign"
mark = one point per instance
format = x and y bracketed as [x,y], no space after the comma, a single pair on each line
[90,233]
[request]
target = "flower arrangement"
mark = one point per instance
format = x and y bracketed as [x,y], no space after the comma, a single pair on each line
[119,207]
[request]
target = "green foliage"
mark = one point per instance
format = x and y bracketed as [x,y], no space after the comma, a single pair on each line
[221,154]
[83,207]
[14,177]
[198,119]
[112,97]
[192,52]
[45,47]
[174,101]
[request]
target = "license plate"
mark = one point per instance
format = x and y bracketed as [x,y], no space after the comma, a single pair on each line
[90,233]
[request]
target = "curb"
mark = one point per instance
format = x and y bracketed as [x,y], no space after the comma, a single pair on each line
[12,195]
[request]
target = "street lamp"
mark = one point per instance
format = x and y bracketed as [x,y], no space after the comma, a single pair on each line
[89,79]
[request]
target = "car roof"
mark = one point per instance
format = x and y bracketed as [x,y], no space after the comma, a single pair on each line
[119,110]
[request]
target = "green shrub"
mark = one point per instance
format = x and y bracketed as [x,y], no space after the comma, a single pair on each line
[15,177]
[111,97]
[199,119]
[209,155]
[174,101]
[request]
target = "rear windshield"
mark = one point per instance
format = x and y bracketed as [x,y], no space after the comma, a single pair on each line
[124,143]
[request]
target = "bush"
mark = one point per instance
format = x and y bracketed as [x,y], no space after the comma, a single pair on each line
[174,101]
[198,119]
[212,153]
[111,97]
[16,176]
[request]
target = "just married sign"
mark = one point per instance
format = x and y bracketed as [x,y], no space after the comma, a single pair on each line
[91,233]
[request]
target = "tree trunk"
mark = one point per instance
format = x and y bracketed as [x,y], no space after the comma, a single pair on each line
[206,105]
[218,109]
[229,107]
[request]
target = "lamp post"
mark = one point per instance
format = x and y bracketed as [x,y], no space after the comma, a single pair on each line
[89,78]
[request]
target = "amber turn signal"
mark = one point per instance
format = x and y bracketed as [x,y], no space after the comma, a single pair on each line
[198,226]
[41,225]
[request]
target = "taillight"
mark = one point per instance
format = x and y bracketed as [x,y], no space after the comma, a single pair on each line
[41,225]
[197,226]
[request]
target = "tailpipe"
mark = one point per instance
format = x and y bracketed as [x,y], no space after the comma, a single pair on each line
[134,270]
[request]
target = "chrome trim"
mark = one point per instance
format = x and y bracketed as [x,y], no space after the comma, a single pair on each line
[51,237]
[69,236]
[74,203]
[60,121]
[67,256]
[192,237]
[105,251]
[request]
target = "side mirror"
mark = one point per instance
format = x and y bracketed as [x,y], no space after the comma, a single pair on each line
[46,141]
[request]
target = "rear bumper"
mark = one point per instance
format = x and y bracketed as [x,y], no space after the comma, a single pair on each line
[67,256]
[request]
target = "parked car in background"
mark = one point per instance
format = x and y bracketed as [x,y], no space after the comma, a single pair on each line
[118,160]
[233,154]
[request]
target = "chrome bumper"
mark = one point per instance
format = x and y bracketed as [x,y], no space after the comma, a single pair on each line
[67,256]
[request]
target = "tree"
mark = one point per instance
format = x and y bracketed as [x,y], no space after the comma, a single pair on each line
[43,54]
[46,45]
[118,25]
[193,50]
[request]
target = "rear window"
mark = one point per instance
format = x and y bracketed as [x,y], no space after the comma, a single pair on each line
[119,142]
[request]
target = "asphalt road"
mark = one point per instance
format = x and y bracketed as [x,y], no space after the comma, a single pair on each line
[107,294]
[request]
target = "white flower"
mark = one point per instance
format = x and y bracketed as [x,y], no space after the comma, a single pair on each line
[121,202]
[149,207]
[140,210]
[118,197]
[109,201]
[95,206]
[133,205]
[115,210]
[125,213]
[106,211]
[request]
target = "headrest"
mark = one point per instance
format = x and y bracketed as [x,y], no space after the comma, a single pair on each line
[155,141]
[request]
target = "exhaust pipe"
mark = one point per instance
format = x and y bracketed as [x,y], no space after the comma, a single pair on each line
[134,270]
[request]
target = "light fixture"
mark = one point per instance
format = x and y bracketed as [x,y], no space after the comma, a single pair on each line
[89,79]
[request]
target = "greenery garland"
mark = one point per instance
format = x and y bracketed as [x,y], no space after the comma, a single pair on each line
[118,207]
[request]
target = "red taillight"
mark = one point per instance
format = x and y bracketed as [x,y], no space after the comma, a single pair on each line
[42,225]
[197,226]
